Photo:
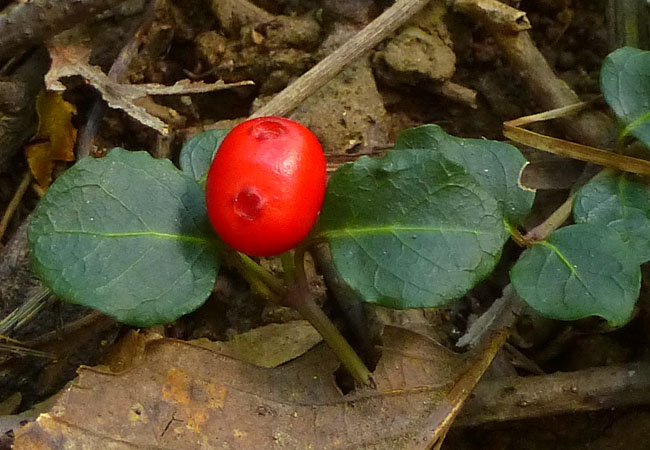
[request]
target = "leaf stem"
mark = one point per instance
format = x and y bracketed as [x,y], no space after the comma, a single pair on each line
[552,223]
[516,235]
[264,275]
[300,299]
[251,271]
[288,267]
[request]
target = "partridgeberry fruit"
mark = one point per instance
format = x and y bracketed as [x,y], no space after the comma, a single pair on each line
[266,185]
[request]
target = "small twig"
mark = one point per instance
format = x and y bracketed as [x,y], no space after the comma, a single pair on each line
[11,340]
[520,361]
[26,24]
[24,351]
[495,12]
[72,60]
[325,70]
[501,314]
[92,319]
[556,113]
[517,398]
[590,127]
[15,202]
[190,87]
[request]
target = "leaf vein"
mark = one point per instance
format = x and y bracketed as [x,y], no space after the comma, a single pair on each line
[392,229]
[178,237]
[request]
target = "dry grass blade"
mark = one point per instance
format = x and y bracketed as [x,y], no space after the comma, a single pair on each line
[512,130]
[493,334]
[26,311]
[15,201]
[24,351]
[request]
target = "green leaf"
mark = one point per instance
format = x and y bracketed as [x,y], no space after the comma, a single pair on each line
[622,202]
[579,271]
[496,166]
[127,235]
[625,82]
[412,229]
[197,154]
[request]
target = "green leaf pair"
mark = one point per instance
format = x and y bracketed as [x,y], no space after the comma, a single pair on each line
[593,267]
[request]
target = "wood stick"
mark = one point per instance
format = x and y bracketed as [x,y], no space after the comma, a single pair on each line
[560,393]
[26,24]
[590,127]
[330,66]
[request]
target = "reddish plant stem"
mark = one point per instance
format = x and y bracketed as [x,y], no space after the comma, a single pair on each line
[301,299]
[552,222]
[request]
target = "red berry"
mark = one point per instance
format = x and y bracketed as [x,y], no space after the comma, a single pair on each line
[266,185]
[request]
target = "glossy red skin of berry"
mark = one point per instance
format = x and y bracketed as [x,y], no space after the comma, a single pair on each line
[266,185]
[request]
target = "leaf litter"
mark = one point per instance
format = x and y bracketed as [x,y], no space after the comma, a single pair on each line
[182,395]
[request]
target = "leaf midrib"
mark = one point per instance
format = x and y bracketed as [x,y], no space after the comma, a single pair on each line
[392,229]
[570,266]
[156,234]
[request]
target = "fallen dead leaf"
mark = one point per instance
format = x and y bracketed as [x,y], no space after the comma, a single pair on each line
[183,396]
[59,135]
[268,346]
[128,351]
[72,60]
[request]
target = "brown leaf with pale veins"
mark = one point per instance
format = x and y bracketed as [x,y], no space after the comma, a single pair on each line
[72,60]
[186,397]
[59,135]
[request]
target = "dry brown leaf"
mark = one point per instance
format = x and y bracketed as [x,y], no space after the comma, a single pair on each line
[268,346]
[186,397]
[128,351]
[72,60]
[55,127]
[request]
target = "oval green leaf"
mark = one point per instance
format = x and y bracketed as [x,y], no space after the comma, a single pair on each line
[197,153]
[625,82]
[496,166]
[411,230]
[126,235]
[579,271]
[622,202]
